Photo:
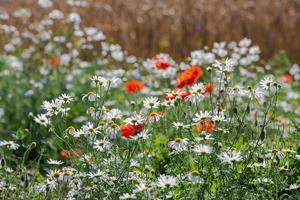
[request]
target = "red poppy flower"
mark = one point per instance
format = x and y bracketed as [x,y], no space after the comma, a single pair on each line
[175,93]
[169,96]
[184,94]
[134,86]
[160,63]
[209,88]
[130,130]
[189,76]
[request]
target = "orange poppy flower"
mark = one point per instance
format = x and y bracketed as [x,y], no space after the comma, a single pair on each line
[134,86]
[206,125]
[65,154]
[55,61]
[287,78]
[189,76]
[78,151]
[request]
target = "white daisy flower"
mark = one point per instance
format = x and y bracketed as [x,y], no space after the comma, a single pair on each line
[89,129]
[202,115]
[66,98]
[151,103]
[102,145]
[230,157]
[194,177]
[264,181]
[219,117]
[53,108]
[294,186]
[114,82]
[224,67]
[54,162]
[179,144]
[142,135]
[267,82]
[99,81]
[142,187]
[54,174]
[9,144]
[204,137]
[42,119]
[39,187]
[166,181]
[196,93]
[90,96]
[180,125]
[112,115]
[127,196]
[135,119]
[203,149]
[257,93]
[274,154]
[198,88]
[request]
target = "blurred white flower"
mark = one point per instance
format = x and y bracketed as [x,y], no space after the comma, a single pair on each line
[45,3]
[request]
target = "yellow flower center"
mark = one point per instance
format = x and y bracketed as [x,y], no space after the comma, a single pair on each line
[178,139]
[91,94]
[56,174]
[195,172]
[274,150]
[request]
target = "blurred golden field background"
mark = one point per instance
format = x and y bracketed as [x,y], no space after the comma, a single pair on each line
[146,27]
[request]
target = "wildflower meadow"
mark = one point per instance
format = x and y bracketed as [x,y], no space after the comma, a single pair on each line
[81,118]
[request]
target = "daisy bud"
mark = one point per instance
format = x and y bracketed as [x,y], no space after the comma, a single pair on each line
[91,111]
[132,103]
[260,159]
[279,86]
[235,110]
[176,103]
[101,123]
